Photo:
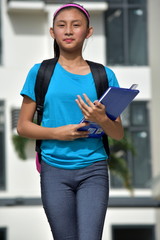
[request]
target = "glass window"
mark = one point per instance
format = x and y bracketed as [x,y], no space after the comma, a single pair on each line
[136,123]
[144,232]
[140,165]
[2,147]
[3,233]
[15,115]
[126,33]
[137,37]
[115,21]
[139,114]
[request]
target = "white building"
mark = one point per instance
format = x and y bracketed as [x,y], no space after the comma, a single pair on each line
[126,38]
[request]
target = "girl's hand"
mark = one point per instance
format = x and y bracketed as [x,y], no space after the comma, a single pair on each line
[70,132]
[26,128]
[94,112]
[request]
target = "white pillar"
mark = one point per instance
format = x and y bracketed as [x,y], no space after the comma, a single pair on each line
[154,61]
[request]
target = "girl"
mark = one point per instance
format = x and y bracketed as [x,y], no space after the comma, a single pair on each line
[74,174]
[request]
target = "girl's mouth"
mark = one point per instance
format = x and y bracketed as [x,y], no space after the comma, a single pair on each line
[68,40]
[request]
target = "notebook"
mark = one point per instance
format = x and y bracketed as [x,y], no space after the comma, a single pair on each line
[115,100]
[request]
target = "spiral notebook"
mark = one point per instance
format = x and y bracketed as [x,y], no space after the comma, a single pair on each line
[115,100]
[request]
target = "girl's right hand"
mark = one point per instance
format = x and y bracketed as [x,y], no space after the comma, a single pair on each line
[26,127]
[70,132]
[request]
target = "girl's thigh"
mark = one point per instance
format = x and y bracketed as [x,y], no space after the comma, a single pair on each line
[59,203]
[92,202]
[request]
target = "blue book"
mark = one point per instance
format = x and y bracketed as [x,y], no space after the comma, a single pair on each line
[115,100]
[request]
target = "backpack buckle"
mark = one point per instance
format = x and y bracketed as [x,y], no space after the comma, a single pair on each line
[39,109]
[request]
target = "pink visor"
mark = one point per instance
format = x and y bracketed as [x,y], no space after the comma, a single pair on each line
[73,5]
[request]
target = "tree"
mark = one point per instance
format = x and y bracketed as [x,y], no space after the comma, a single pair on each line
[117,162]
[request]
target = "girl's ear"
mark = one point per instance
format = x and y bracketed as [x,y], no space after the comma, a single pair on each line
[52,33]
[90,32]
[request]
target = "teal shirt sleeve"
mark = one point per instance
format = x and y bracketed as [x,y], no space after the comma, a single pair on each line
[112,80]
[28,87]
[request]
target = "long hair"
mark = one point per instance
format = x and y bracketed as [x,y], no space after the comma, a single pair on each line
[56,49]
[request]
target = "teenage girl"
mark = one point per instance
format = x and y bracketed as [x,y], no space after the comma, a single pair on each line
[74,171]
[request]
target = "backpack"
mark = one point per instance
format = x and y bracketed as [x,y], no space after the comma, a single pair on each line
[41,86]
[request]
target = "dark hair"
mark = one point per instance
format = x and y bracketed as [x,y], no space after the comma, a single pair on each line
[69,6]
[56,49]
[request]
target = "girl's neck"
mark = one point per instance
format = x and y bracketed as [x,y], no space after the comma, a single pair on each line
[75,65]
[71,61]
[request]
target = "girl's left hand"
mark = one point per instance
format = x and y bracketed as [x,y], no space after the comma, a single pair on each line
[94,112]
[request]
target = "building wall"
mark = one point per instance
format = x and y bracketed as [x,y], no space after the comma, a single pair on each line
[25,223]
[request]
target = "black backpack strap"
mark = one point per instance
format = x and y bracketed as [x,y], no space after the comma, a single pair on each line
[101,83]
[41,86]
[100,77]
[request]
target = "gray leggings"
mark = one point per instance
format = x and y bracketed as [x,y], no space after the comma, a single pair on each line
[75,201]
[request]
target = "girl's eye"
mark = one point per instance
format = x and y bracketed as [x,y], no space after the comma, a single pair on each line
[60,25]
[76,25]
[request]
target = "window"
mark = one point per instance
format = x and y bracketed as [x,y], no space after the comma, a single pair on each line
[133,232]
[3,234]
[15,115]
[136,123]
[2,147]
[126,32]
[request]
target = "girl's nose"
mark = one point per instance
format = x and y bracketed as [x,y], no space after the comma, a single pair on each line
[68,30]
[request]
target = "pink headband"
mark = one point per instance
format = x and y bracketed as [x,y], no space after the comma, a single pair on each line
[72,5]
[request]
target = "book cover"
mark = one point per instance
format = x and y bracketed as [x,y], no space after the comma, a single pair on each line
[115,100]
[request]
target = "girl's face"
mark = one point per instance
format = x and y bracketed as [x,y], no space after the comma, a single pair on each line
[70,30]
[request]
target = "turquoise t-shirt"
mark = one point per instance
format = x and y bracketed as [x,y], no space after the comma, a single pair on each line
[61,109]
